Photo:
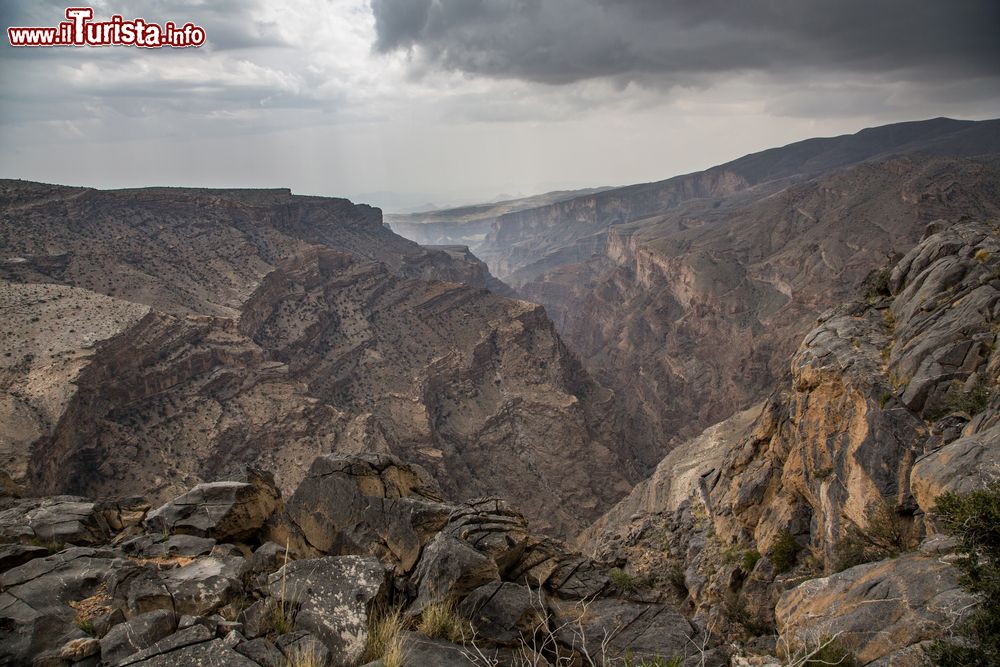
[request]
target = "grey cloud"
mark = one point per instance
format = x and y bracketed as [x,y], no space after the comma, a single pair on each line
[683,41]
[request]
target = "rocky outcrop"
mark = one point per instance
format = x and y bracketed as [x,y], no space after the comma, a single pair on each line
[229,510]
[839,467]
[155,594]
[880,610]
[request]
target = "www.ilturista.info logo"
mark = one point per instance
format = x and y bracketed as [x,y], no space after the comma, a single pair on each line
[80,30]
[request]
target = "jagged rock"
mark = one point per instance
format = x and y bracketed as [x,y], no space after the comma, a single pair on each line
[196,645]
[874,609]
[365,504]
[644,630]
[139,633]
[13,555]
[450,569]
[35,610]
[502,612]
[124,513]
[262,652]
[257,619]
[332,598]
[498,531]
[205,585]
[55,520]
[138,590]
[214,653]
[220,510]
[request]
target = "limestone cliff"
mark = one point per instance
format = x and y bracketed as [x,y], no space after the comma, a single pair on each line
[892,400]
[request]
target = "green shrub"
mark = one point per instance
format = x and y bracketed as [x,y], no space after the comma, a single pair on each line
[625,582]
[878,285]
[884,537]
[749,560]
[974,519]
[784,552]
[735,607]
[972,402]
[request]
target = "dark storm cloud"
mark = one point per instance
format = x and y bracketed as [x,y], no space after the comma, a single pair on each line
[686,41]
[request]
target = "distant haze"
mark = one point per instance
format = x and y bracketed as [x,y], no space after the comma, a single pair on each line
[415,103]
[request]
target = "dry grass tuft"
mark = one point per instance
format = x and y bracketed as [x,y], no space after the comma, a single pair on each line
[386,639]
[440,620]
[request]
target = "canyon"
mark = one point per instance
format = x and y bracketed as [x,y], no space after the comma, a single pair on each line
[709,417]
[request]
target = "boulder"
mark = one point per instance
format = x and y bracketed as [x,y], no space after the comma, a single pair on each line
[169,547]
[196,645]
[56,521]
[332,598]
[137,634]
[495,529]
[228,510]
[641,630]
[262,652]
[450,569]
[138,590]
[874,609]
[214,653]
[423,651]
[205,585]
[363,504]
[502,612]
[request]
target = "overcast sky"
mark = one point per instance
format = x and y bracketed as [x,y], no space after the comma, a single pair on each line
[405,102]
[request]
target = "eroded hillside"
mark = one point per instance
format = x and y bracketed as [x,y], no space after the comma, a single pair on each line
[692,314]
[160,337]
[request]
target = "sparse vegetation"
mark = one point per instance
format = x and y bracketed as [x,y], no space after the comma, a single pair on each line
[878,285]
[784,552]
[85,624]
[386,640]
[624,581]
[971,402]
[735,607]
[749,560]
[826,652]
[974,519]
[310,655]
[52,546]
[440,620]
[883,537]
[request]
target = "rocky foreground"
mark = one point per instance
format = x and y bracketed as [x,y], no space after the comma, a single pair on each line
[229,573]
